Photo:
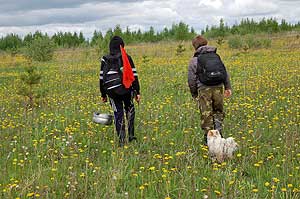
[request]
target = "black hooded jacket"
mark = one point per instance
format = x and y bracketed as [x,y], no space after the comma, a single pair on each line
[114,50]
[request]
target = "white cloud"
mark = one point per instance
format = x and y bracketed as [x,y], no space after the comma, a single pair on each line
[240,8]
[78,15]
[216,4]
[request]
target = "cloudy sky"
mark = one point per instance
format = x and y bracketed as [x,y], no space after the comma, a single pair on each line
[23,16]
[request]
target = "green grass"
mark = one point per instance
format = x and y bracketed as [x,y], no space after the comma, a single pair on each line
[56,151]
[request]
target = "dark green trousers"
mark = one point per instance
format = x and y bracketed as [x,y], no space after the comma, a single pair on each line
[211,102]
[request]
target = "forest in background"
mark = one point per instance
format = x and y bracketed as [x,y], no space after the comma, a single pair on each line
[178,32]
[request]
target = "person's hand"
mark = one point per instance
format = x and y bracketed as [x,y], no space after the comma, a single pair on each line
[227,93]
[104,99]
[138,98]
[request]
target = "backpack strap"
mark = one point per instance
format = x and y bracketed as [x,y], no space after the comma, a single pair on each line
[109,62]
[196,54]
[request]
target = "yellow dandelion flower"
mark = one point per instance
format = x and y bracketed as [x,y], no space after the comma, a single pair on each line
[165,170]
[276,180]
[142,187]
[283,189]
[217,192]
[173,169]
[296,190]
[273,187]
[267,184]
[255,190]
[30,194]
[151,168]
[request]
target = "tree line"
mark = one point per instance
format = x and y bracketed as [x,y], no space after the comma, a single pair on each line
[177,32]
[180,31]
[249,26]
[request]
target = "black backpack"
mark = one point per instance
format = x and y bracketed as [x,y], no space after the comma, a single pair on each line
[211,69]
[113,75]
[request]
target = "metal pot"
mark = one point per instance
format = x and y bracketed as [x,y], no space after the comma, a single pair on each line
[102,118]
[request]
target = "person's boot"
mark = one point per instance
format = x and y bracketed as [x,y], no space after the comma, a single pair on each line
[132,138]
[218,126]
[121,143]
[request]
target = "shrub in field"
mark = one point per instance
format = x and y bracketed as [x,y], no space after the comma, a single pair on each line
[41,49]
[248,42]
[252,42]
[29,86]
[180,49]
[266,43]
[220,41]
[235,42]
[145,59]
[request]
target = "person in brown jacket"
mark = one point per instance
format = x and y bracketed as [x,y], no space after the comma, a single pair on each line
[208,95]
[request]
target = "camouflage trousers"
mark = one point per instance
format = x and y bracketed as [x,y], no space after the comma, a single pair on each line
[210,102]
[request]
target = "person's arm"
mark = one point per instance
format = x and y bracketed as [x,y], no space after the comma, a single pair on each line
[227,85]
[102,91]
[192,77]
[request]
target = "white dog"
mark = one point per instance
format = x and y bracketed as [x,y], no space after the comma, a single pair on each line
[220,148]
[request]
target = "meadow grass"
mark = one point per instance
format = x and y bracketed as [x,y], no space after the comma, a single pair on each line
[56,151]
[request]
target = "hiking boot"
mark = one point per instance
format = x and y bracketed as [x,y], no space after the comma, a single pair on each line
[218,126]
[204,142]
[132,139]
[121,143]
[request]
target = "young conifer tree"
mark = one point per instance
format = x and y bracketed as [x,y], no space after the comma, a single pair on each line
[29,86]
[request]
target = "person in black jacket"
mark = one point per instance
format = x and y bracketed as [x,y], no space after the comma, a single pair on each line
[120,101]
